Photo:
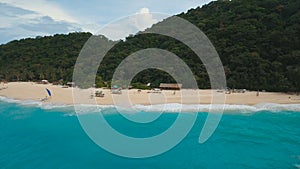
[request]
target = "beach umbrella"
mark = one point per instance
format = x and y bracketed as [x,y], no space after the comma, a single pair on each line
[48,91]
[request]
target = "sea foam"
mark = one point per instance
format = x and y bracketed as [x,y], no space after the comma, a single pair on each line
[170,107]
[219,107]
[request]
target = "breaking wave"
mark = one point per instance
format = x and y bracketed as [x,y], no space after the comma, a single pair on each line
[172,107]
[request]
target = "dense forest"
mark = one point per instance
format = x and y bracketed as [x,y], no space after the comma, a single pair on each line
[257,41]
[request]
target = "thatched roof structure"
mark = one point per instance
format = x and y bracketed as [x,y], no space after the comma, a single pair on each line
[170,86]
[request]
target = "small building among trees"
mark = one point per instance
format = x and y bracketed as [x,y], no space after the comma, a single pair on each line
[71,84]
[170,86]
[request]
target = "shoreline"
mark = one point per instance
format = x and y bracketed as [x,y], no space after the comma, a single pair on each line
[166,108]
[35,92]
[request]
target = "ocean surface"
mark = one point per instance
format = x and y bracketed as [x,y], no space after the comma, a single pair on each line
[51,137]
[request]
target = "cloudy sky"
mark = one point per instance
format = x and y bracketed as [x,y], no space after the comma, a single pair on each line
[31,18]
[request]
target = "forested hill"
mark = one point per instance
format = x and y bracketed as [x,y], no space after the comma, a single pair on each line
[258,42]
[50,57]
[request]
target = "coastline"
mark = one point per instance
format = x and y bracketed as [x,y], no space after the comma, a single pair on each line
[64,96]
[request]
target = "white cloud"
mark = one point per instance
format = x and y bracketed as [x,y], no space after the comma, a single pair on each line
[144,10]
[36,12]
[26,18]
[131,25]
[42,7]
[16,23]
[144,19]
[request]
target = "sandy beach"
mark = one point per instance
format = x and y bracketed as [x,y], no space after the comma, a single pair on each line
[33,91]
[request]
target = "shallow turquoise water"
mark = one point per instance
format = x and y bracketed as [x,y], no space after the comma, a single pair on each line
[31,137]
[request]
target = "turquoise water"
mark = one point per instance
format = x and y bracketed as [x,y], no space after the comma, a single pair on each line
[31,137]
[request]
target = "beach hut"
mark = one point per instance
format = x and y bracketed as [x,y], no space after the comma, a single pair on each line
[71,84]
[170,86]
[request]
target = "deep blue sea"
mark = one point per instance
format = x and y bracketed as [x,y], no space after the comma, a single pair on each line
[34,137]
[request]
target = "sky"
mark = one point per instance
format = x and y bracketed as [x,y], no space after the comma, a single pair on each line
[30,18]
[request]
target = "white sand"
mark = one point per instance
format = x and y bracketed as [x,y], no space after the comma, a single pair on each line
[33,91]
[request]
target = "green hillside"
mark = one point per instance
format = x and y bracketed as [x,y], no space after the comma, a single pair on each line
[51,57]
[258,43]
